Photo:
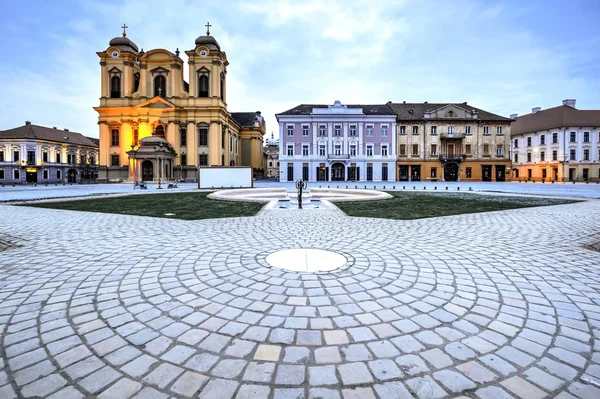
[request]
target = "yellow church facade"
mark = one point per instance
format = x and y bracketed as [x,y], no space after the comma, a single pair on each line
[156,124]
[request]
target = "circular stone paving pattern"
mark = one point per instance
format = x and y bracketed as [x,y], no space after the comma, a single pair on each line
[477,305]
[306,260]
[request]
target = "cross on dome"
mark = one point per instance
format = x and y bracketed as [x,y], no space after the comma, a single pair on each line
[208,25]
[124,27]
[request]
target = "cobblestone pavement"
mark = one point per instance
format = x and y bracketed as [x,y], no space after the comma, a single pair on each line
[492,305]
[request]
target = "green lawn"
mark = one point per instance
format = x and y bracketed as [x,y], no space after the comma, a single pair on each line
[414,205]
[186,206]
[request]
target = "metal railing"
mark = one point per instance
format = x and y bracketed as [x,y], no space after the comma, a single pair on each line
[452,157]
[452,135]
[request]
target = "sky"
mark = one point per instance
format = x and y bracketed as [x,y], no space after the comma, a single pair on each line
[502,56]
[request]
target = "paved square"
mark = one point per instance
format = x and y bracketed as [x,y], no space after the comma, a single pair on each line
[500,304]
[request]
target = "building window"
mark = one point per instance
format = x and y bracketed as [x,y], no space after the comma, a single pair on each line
[353,150]
[58,157]
[222,87]
[528,173]
[516,173]
[433,129]
[528,141]
[182,136]
[1,174]
[30,157]
[543,139]
[45,174]
[115,87]
[415,149]
[16,174]
[516,143]
[433,149]
[322,150]
[203,85]
[486,130]
[544,174]
[468,149]
[305,130]
[433,172]
[554,138]
[160,86]
[136,137]
[573,137]
[223,140]
[352,130]
[467,129]
[499,130]
[1,156]
[290,150]
[337,130]
[384,130]
[305,150]
[369,130]
[114,160]
[183,159]
[44,156]
[468,173]
[415,130]
[369,150]
[586,174]
[321,130]
[586,137]
[499,150]
[528,157]
[384,172]
[384,150]
[486,150]
[542,156]
[203,159]
[572,155]
[337,149]
[290,130]
[136,81]
[402,129]
[16,156]
[555,155]
[270,164]
[403,149]
[203,137]
[586,155]
[115,137]
[58,174]
[290,172]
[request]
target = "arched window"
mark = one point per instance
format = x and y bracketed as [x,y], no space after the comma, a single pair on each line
[203,86]
[160,131]
[115,87]
[222,87]
[160,86]
[136,81]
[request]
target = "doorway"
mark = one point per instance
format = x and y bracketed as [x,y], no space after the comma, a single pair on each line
[338,172]
[415,172]
[451,172]
[322,173]
[486,173]
[572,174]
[403,170]
[147,171]
[500,172]
[31,176]
[352,173]
[72,176]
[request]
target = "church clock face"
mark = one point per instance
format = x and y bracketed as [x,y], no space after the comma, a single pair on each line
[114,54]
[203,53]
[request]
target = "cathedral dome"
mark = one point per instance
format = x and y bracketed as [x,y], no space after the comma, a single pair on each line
[153,140]
[124,44]
[208,41]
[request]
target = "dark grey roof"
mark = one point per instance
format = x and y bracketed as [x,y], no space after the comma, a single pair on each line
[244,119]
[416,111]
[368,109]
[556,117]
[35,132]
[124,44]
[208,41]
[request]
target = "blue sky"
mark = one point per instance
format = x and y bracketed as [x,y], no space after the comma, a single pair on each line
[503,56]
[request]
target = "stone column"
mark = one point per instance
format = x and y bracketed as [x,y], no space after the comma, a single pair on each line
[214,144]
[104,145]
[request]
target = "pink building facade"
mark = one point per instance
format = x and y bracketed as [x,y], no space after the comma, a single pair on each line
[328,143]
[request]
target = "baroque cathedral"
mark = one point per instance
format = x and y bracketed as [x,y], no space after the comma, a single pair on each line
[156,124]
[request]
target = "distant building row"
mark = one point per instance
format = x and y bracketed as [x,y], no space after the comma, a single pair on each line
[434,142]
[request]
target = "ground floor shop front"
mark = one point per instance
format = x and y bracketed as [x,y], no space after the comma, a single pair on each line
[53,174]
[558,172]
[340,171]
[453,171]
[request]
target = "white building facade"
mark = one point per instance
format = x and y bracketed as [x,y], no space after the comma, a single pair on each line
[328,143]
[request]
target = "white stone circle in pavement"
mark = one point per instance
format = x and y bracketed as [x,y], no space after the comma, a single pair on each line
[492,305]
[306,260]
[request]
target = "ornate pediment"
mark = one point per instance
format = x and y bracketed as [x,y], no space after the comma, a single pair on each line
[159,71]
[157,102]
[449,111]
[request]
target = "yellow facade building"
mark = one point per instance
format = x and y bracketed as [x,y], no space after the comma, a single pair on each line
[154,123]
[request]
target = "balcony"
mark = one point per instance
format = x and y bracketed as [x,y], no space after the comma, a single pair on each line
[341,157]
[452,157]
[452,135]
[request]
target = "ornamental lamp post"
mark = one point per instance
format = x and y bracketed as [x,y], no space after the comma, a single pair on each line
[300,186]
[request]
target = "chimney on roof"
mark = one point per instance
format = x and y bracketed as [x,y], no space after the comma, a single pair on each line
[569,102]
[66,130]
[513,116]
[27,122]
[404,102]
[54,127]
[535,110]
[425,102]
[389,102]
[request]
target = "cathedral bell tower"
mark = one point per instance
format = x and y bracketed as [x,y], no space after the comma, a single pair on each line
[208,70]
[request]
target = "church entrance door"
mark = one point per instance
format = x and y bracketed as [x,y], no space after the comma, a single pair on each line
[147,171]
